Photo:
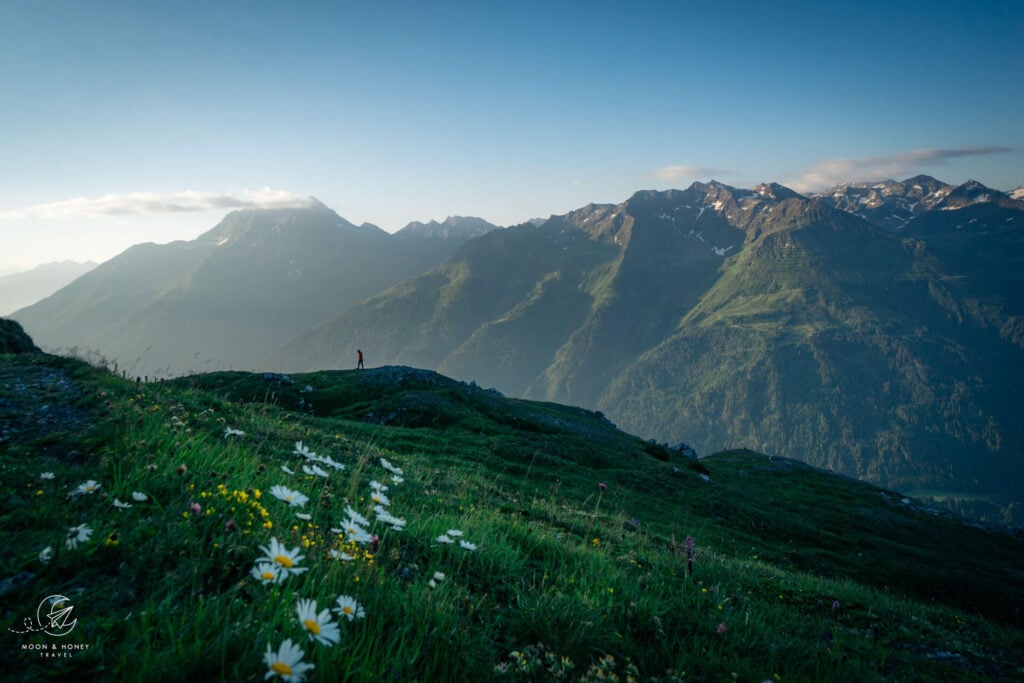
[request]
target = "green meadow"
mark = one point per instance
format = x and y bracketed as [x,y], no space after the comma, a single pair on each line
[447,533]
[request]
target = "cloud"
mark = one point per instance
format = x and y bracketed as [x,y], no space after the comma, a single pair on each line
[135,203]
[830,173]
[672,174]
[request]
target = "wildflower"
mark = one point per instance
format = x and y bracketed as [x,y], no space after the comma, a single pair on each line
[466,545]
[722,629]
[349,608]
[320,626]
[89,487]
[121,506]
[139,496]
[302,450]
[338,555]
[182,469]
[385,517]
[601,485]
[377,486]
[303,516]
[286,662]
[353,532]
[46,475]
[267,572]
[151,467]
[444,538]
[286,559]
[229,431]
[379,498]
[77,534]
[286,470]
[231,525]
[111,540]
[293,498]
[355,517]
[195,508]
[314,470]
[454,532]
[391,468]
[330,462]
[46,554]
[396,480]
[439,576]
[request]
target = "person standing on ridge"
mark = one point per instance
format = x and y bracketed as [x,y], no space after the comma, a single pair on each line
[359,363]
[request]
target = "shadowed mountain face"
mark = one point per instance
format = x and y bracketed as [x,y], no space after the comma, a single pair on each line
[741,318]
[233,294]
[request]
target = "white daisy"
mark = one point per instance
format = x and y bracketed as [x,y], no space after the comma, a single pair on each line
[293,498]
[320,627]
[391,468]
[87,487]
[353,532]
[121,506]
[348,608]
[314,470]
[284,558]
[396,480]
[303,516]
[338,555]
[266,571]
[302,450]
[377,486]
[466,545]
[46,554]
[329,461]
[385,517]
[230,431]
[379,498]
[77,534]
[356,517]
[453,532]
[443,538]
[139,497]
[46,475]
[286,470]
[286,662]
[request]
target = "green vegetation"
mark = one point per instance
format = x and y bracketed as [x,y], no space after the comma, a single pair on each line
[590,554]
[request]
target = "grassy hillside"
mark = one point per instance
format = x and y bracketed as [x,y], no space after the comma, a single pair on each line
[584,554]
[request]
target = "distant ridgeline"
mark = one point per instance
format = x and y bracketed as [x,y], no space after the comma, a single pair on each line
[876,329]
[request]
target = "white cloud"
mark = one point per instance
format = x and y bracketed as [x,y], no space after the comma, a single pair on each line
[136,203]
[831,172]
[672,174]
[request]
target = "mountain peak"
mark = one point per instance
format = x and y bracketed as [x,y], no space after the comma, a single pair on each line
[777,192]
[458,227]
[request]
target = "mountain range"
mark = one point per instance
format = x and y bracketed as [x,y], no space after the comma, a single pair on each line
[236,292]
[24,288]
[875,329]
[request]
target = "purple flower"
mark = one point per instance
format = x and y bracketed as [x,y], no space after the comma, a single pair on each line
[602,485]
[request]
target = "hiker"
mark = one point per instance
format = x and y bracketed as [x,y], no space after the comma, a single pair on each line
[359,363]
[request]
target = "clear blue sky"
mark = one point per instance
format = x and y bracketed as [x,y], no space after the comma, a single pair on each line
[116,117]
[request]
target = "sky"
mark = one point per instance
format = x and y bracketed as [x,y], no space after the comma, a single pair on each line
[129,122]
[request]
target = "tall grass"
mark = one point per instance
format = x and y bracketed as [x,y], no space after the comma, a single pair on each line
[563,583]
